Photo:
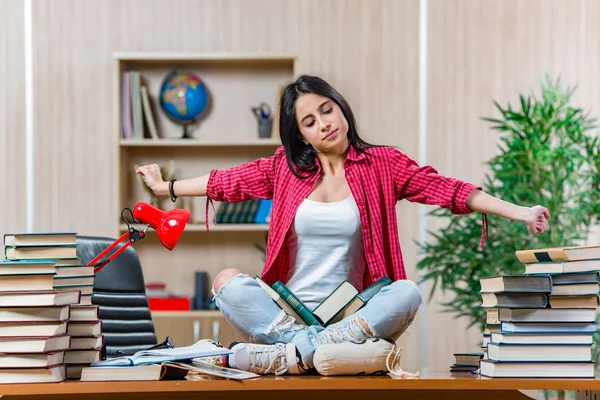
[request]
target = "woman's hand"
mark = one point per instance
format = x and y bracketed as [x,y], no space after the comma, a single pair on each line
[153,178]
[536,219]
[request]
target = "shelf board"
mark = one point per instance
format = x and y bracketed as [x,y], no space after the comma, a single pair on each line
[194,56]
[217,228]
[198,143]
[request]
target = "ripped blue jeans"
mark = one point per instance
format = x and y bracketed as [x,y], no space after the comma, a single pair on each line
[250,309]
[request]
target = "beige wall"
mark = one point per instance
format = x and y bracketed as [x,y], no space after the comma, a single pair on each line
[477,51]
[485,50]
[12,117]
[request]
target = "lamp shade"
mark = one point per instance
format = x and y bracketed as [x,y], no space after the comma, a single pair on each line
[169,225]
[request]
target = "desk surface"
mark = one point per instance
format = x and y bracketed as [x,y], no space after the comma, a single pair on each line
[272,383]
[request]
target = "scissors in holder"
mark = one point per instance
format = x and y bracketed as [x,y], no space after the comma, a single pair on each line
[263,111]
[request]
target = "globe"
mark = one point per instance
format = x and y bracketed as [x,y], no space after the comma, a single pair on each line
[183,97]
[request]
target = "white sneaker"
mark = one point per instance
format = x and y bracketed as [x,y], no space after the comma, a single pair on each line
[353,333]
[265,359]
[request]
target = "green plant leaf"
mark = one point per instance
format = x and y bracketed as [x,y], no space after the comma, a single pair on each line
[546,154]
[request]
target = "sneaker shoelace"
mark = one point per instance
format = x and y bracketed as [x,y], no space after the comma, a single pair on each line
[393,363]
[340,334]
[267,358]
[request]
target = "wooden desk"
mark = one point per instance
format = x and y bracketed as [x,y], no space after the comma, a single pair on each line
[441,386]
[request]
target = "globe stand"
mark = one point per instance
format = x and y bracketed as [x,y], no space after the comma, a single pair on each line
[185,130]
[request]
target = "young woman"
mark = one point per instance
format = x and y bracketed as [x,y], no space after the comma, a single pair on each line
[333,218]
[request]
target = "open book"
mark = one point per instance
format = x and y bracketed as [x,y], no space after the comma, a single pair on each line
[198,350]
[344,301]
[171,370]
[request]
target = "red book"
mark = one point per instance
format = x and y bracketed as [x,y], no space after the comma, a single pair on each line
[168,303]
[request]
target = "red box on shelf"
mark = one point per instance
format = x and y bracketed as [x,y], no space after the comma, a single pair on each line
[169,303]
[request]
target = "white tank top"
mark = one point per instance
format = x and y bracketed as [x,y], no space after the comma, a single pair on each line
[325,248]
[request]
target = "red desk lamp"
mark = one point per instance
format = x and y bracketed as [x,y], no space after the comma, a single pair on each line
[169,226]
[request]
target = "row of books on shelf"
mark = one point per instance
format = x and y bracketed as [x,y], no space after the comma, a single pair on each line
[137,113]
[254,211]
[49,328]
[540,324]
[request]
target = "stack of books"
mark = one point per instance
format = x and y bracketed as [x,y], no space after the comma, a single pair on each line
[72,285]
[345,300]
[59,248]
[33,323]
[87,340]
[541,324]
[465,363]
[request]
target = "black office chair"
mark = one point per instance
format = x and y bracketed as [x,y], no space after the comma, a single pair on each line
[120,294]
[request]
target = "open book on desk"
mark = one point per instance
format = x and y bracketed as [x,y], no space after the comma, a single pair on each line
[198,350]
[192,370]
[344,301]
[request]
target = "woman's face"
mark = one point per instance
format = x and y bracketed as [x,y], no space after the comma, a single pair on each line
[322,123]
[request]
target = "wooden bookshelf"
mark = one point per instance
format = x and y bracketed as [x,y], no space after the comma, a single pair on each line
[226,136]
[209,57]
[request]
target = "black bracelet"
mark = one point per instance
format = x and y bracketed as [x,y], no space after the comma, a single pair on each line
[173,197]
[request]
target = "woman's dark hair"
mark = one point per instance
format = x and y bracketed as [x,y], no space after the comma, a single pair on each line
[301,157]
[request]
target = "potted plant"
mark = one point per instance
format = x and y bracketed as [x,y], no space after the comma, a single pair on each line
[547,155]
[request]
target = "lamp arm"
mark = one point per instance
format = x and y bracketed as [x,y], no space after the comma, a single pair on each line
[134,236]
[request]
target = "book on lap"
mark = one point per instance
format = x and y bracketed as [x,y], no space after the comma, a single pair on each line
[299,307]
[329,308]
[289,310]
[344,301]
[363,297]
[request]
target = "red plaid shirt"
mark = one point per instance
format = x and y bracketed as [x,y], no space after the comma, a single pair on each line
[377,180]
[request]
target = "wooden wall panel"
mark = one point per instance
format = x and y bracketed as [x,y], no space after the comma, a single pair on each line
[366,48]
[481,50]
[12,117]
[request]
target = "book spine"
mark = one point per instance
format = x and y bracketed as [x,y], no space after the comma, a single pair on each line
[372,290]
[296,304]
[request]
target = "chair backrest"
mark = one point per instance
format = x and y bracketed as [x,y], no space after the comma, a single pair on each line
[120,294]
